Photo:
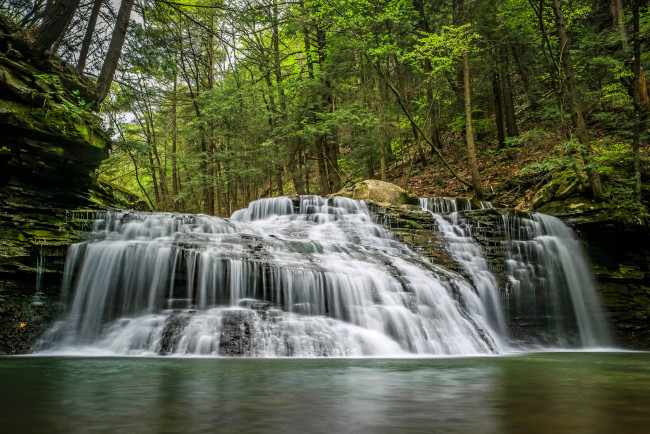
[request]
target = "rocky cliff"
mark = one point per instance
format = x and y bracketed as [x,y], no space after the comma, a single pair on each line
[620,258]
[50,146]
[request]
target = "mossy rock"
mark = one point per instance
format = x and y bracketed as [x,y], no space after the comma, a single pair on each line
[545,194]
[578,210]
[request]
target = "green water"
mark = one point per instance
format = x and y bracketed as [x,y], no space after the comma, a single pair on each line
[546,392]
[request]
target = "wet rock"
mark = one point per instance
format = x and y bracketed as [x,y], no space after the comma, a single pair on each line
[620,259]
[236,331]
[578,211]
[174,325]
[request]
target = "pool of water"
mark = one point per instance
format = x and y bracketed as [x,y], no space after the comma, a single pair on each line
[541,392]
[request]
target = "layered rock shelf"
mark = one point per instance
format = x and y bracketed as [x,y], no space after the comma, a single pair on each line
[49,148]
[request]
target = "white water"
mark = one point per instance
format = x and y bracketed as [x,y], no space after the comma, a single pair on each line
[545,261]
[319,278]
[551,298]
[469,254]
[316,279]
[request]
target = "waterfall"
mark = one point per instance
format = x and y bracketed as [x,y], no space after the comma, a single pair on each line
[317,277]
[549,297]
[551,283]
[313,277]
[468,253]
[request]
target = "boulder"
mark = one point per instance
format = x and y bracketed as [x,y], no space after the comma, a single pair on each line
[236,332]
[545,194]
[379,192]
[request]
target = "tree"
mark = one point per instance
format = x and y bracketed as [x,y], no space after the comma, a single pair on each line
[57,17]
[469,130]
[114,50]
[90,30]
[574,102]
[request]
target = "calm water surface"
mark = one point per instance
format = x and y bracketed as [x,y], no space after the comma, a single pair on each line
[545,392]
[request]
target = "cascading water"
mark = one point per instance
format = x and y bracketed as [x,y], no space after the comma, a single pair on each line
[280,278]
[551,286]
[468,253]
[550,298]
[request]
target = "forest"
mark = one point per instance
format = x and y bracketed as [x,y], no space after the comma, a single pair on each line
[213,104]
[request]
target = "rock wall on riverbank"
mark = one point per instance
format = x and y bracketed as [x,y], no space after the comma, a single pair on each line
[620,258]
[49,148]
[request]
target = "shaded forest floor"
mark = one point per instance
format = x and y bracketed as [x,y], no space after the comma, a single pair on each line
[500,172]
[501,169]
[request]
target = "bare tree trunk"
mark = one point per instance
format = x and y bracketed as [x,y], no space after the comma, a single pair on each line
[322,169]
[319,139]
[434,130]
[576,108]
[331,144]
[278,181]
[496,93]
[381,130]
[290,150]
[161,178]
[640,111]
[616,10]
[114,50]
[88,37]
[506,88]
[177,205]
[155,182]
[469,131]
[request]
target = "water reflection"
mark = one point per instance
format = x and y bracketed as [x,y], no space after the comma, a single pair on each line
[563,392]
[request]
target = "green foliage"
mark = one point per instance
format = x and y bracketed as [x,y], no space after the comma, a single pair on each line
[527,138]
[264,85]
[480,125]
[70,102]
[445,48]
[564,158]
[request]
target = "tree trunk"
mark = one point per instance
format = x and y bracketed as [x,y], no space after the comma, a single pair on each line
[319,138]
[177,204]
[434,131]
[506,88]
[496,93]
[322,168]
[381,130]
[57,18]
[616,10]
[278,181]
[291,165]
[154,180]
[576,108]
[331,144]
[469,131]
[88,37]
[114,50]
[640,112]
[209,176]
[161,178]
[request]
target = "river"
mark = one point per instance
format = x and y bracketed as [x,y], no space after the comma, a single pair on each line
[553,392]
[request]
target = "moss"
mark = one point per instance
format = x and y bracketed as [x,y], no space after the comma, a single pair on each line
[414,225]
